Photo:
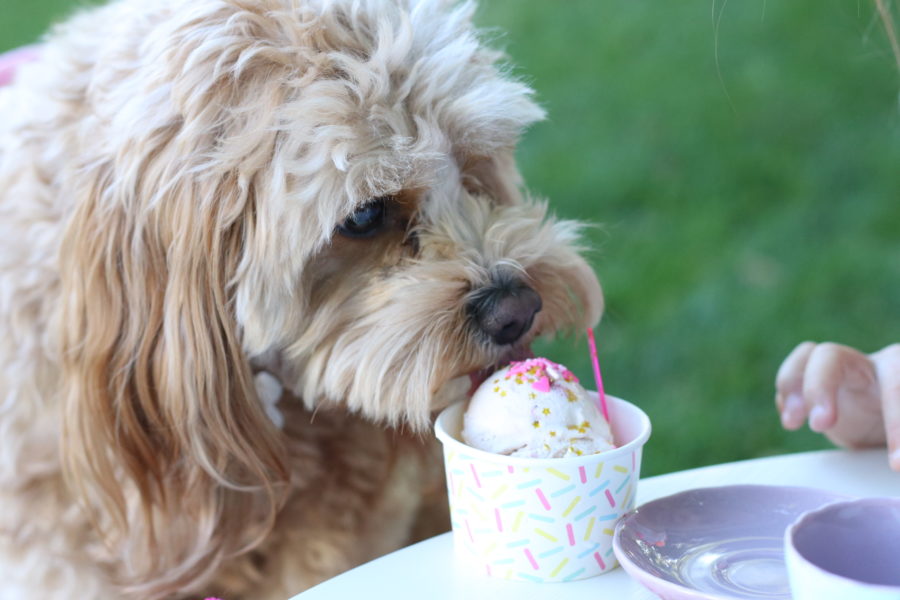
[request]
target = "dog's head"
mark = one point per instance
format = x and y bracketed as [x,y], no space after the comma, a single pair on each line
[326,188]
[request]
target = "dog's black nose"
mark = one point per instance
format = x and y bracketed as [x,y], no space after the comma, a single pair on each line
[506,311]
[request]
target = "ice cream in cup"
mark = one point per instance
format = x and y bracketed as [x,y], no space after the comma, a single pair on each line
[537,477]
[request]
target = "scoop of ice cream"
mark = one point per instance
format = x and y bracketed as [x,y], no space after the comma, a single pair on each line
[535,408]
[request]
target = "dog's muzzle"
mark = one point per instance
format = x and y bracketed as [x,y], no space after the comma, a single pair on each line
[505,310]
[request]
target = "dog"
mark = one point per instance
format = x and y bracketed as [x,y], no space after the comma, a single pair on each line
[247,248]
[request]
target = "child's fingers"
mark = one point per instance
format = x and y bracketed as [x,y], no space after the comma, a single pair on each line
[789,386]
[789,379]
[887,362]
[793,416]
[823,377]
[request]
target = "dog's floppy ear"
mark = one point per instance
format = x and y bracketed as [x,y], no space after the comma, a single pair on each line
[164,437]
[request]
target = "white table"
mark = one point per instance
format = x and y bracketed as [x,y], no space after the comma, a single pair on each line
[430,570]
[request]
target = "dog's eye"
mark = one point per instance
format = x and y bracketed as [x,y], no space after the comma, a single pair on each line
[366,221]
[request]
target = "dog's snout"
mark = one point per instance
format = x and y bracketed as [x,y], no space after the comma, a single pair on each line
[505,312]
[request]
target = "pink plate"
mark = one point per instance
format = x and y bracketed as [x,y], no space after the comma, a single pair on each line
[718,543]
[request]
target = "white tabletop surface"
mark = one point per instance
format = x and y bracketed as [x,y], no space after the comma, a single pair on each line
[430,570]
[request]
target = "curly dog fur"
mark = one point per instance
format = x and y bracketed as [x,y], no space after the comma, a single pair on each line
[210,384]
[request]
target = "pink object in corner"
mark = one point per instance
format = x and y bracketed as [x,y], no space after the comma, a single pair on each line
[12,60]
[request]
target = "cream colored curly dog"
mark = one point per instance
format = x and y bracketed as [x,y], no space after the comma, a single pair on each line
[246,248]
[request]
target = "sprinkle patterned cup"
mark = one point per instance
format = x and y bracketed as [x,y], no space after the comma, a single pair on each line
[541,519]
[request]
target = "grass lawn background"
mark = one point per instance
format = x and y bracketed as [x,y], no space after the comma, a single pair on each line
[741,162]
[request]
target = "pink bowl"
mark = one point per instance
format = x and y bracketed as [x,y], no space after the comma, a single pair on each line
[846,549]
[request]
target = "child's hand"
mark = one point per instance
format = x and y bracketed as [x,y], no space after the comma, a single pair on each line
[851,397]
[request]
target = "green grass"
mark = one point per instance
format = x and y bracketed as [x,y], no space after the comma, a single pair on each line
[745,180]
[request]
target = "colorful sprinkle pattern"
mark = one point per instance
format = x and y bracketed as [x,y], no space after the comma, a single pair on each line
[540,523]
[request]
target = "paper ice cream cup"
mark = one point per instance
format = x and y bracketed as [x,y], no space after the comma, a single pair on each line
[541,519]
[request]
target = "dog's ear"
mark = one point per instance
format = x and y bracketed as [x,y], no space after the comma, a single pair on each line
[164,437]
